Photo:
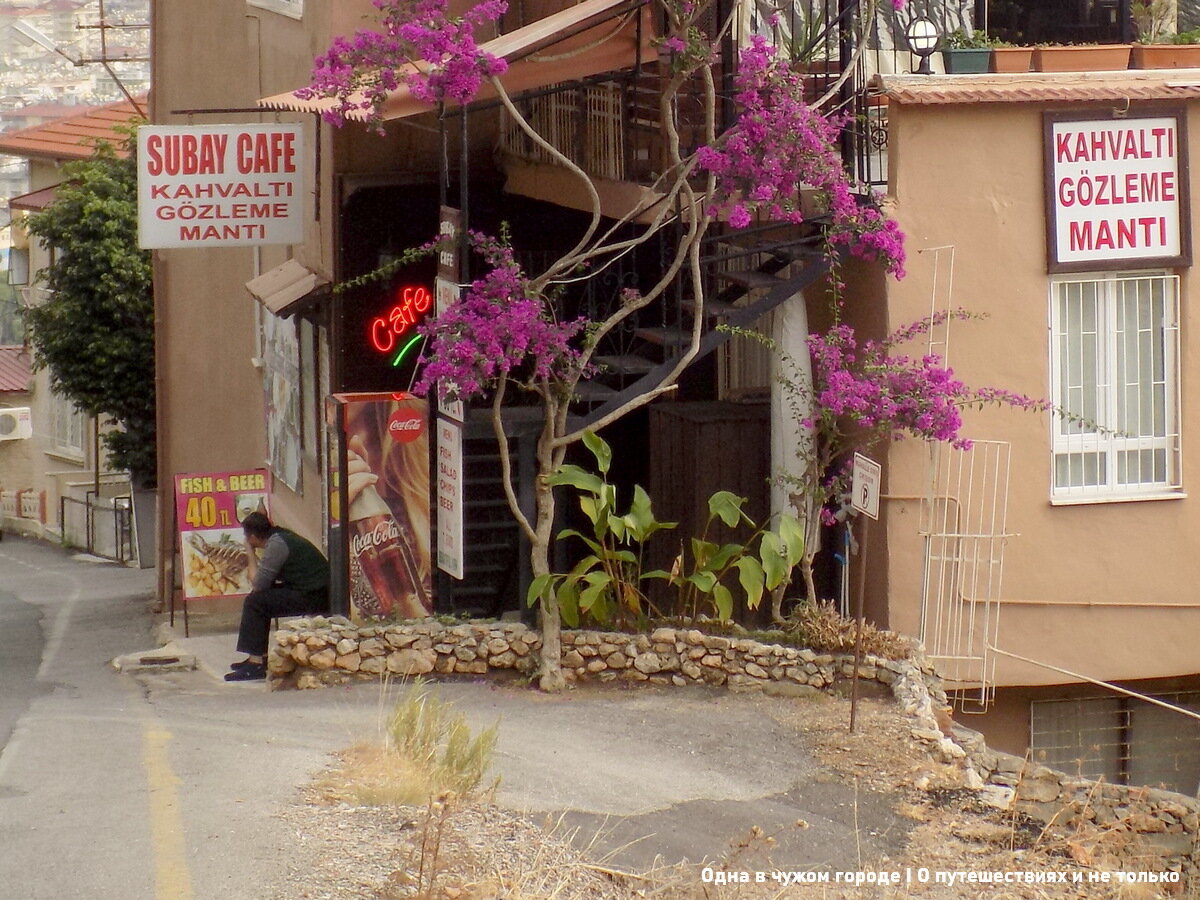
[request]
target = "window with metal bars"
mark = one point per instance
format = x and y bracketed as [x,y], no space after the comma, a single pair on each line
[1120,739]
[1114,353]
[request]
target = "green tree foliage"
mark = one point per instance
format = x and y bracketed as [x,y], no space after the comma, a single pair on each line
[95,333]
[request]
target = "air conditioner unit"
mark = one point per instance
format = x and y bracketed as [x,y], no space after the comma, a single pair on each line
[15,424]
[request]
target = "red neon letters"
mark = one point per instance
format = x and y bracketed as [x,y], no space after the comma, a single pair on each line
[413,302]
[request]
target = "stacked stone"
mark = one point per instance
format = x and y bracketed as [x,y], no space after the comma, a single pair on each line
[309,653]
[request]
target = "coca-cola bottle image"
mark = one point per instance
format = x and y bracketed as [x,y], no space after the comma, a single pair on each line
[381,550]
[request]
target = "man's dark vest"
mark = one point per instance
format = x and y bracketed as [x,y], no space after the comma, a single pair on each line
[305,568]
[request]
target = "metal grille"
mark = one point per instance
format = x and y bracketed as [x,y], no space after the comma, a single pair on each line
[583,123]
[1114,351]
[964,525]
[1120,739]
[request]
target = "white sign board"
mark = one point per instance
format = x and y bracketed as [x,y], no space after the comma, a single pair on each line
[864,486]
[449,497]
[447,294]
[1116,192]
[220,185]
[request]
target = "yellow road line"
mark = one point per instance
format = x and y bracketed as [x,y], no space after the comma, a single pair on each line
[172,881]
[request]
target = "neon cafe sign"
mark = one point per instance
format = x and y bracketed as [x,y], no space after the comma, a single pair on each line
[395,331]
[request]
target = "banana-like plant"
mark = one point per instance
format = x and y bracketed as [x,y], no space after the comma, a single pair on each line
[607,583]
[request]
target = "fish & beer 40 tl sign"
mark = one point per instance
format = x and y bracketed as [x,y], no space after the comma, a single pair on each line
[209,509]
[1116,191]
[220,185]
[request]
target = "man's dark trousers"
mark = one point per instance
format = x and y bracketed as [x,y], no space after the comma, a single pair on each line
[260,607]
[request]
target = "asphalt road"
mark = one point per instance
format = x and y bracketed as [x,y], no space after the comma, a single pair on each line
[166,785]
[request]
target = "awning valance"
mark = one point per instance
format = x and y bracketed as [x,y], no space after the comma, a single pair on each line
[34,201]
[588,39]
[288,289]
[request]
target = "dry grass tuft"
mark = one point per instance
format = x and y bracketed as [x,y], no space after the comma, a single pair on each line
[428,751]
[821,627]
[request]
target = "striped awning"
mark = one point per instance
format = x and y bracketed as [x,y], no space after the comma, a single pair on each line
[594,37]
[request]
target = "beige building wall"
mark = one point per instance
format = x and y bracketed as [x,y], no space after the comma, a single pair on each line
[1102,589]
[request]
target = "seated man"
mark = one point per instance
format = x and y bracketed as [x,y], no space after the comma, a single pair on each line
[291,579]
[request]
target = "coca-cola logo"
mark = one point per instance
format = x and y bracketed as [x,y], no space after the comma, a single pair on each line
[384,532]
[406,425]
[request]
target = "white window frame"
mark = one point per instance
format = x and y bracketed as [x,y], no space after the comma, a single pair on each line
[69,427]
[1073,443]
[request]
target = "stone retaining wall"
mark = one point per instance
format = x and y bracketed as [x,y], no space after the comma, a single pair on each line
[1118,825]
[309,653]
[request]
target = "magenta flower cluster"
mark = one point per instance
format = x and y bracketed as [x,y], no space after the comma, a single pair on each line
[894,395]
[496,329]
[420,46]
[780,145]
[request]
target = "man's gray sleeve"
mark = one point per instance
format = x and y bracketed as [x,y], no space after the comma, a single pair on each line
[274,555]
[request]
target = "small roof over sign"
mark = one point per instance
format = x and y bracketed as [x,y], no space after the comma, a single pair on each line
[15,370]
[288,289]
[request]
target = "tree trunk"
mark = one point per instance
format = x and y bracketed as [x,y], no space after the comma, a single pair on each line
[551,679]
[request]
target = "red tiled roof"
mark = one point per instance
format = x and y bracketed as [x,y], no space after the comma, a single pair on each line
[34,200]
[1041,87]
[46,111]
[71,137]
[15,369]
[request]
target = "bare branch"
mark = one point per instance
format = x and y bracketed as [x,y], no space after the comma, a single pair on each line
[564,160]
[514,504]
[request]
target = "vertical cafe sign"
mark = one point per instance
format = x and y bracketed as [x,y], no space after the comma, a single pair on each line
[220,186]
[1116,192]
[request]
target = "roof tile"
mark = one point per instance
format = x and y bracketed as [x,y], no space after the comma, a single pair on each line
[1041,87]
[15,369]
[71,137]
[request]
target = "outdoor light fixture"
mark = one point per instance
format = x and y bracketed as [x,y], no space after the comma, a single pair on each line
[922,39]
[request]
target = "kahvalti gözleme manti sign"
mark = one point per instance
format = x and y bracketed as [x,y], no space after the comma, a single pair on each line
[1117,191]
[220,185]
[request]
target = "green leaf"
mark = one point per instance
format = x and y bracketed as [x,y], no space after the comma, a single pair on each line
[791,532]
[576,477]
[775,566]
[539,588]
[592,545]
[640,520]
[704,580]
[584,566]
[600,450]
[721,558]
[727,507]
[568,604]
[597,585]
[702,552]
[751,577]
[723,601]
[657,574]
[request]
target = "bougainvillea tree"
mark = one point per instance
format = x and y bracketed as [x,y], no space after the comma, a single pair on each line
[857,393]
[504,333]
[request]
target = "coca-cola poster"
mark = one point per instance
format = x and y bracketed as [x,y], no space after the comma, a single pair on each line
[387,491]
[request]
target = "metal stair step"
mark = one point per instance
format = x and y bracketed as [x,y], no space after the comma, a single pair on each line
[751,279]
[593,390]
[665,337]
[625,364]
[712,307]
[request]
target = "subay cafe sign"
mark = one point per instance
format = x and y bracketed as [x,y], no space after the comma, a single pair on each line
[220,186]
[1116,192]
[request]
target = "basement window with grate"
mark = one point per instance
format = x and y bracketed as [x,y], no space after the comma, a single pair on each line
[1114,366]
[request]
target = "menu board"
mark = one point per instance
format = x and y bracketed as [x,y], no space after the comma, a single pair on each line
[209,509]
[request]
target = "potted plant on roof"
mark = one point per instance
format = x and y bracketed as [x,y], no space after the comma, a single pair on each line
[1158,46]
[966,53]
[1008,57]
[1080,57]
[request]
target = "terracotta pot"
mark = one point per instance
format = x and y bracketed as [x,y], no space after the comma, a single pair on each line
[1165,56]
[1081,58]
[1012,59]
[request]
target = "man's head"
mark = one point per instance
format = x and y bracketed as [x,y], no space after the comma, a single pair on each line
[257,528]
